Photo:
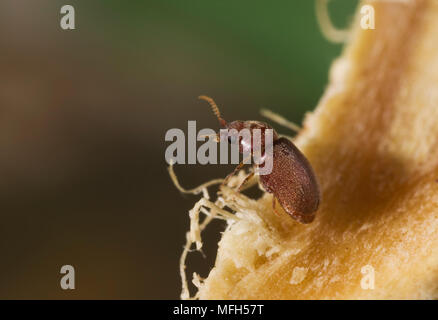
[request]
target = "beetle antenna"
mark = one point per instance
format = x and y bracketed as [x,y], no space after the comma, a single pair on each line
[214,108]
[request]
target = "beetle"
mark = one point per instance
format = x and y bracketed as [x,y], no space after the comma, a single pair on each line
[292,180]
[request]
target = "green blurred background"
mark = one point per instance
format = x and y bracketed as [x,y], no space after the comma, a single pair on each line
[83,119]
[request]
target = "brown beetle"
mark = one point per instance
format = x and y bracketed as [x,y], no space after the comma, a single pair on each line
[292,180]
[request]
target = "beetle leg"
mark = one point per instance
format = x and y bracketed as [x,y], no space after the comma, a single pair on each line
[245,181]
[224,183]
[273,206]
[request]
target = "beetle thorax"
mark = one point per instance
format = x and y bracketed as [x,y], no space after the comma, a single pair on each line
[245,133]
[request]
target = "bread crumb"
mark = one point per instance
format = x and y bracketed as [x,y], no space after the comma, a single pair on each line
[298,275]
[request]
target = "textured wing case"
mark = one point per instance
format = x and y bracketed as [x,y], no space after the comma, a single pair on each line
[293,182]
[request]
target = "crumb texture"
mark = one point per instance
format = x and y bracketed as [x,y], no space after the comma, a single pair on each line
[373,143]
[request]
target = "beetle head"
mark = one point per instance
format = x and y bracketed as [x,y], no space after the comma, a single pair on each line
[242,132]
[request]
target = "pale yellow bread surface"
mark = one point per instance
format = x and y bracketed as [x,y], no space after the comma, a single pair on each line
[373,142]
